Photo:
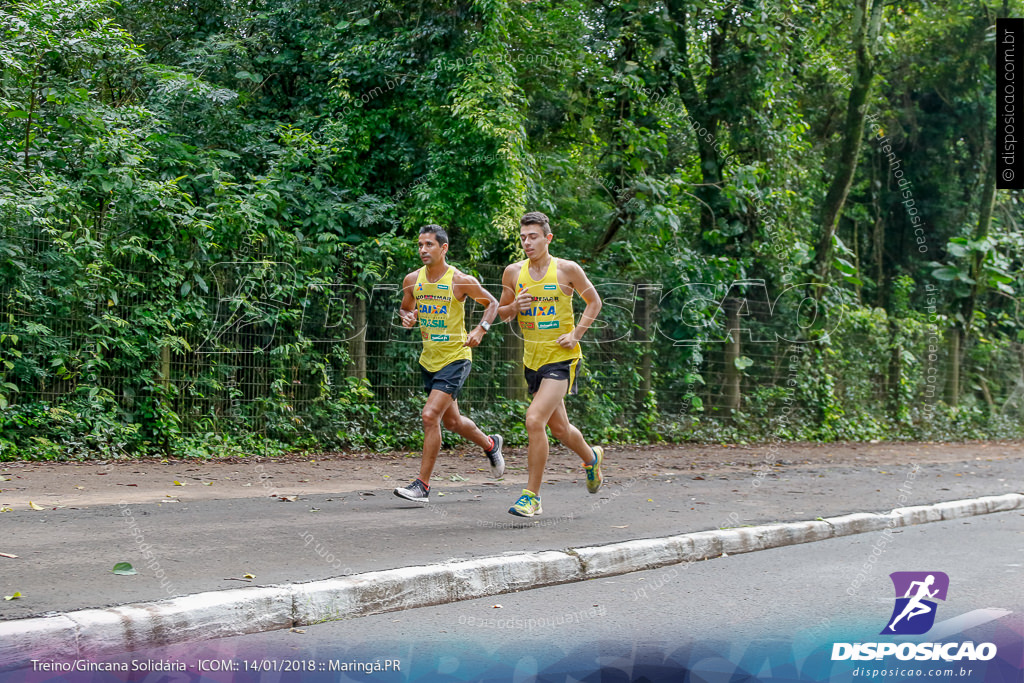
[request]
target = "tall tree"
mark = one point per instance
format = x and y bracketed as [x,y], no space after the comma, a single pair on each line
[867,22]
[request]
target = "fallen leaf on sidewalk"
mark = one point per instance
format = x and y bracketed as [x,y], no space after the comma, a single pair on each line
[34,506]
[457,477]
[13,557]
[208,483]
[3,509]
[178,483]
[290,499]
[297,630]
[79,487]
[624,526]
[12,597]
[497,607]
[124,569]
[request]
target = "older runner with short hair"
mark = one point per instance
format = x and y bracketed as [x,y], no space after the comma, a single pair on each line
[434,295]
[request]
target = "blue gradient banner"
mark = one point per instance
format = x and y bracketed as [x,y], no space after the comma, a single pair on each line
[807,656]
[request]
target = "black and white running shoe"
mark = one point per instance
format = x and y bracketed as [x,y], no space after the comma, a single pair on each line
[494,457]
[416,492]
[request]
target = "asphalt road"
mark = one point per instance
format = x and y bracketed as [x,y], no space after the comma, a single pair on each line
[773,614]
[65,556]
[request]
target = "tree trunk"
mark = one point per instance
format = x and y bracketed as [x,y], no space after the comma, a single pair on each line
[621,194]
[867,17]
[711,165]
[988,199]
[953,376]
[963,327]
[988,396]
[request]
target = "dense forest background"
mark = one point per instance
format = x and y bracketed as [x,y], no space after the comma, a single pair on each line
[207,206]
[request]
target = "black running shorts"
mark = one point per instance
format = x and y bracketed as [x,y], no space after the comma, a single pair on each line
[565,369]
[448,379]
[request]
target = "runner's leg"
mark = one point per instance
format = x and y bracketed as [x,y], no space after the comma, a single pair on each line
[545,403]
[569,435]
[438,403]
[456,422]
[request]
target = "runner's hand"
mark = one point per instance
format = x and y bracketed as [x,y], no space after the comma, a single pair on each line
[475,337]
[408,317]
[568,341]
[525,301]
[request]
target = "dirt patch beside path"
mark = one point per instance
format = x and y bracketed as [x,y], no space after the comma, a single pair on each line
[73,485]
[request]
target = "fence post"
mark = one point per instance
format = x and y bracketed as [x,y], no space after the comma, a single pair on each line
[515,383]
[165,367]
[895,375]
[645,313]
[357,344]
[731,382]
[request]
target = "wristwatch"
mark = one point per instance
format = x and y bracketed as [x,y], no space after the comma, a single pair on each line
[486,325]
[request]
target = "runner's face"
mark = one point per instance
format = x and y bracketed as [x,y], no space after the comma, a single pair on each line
[430,251]
[535,242]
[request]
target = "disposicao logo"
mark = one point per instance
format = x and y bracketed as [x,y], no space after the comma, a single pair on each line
[916,592]
[914,615]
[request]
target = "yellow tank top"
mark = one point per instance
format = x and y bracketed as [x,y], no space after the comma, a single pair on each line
[550,317]
[441,318]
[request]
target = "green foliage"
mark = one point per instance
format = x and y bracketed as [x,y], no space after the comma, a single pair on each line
[198,200]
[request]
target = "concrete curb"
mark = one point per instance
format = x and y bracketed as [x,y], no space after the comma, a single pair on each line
[218,614]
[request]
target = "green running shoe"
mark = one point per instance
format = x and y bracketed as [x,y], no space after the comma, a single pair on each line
[528,505]
[594,471]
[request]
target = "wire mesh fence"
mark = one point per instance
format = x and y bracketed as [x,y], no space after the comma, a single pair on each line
[253,352]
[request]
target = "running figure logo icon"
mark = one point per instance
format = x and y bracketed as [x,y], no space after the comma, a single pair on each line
[916,593]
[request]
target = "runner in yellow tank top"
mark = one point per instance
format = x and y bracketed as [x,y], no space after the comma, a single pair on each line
[441,318]
[434,296]
[539,292]
[548,317]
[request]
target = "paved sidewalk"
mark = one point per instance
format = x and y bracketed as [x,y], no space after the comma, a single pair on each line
[204,616]
[188,546]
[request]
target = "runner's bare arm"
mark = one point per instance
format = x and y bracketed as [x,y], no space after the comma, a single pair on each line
[509,306]
[579,281]
[408,312]
[470,286]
